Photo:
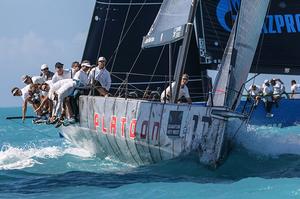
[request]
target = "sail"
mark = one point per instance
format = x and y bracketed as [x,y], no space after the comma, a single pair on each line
[214,31]
[249,27]
[169,25]
[222,79]
[281,28]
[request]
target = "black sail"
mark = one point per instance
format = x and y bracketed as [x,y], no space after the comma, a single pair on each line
[116,32]
[277,51]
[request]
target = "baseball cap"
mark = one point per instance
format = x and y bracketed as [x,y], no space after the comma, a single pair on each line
[44,66]
[59,65]
[14,90]
[86,64]
[102,59]
[185,76]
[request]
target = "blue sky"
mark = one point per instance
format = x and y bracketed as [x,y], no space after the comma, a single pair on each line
[34,32]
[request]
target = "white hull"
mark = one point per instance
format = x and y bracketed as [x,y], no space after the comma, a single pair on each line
[142,132]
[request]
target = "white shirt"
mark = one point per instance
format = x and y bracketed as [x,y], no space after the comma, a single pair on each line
[66,75]
[37,80]
[82,77]
[296,89]
[102,76]
[255,92]
[73,72]
[278,88]
[268,91]
[56,87]
[25,92]
[182,92]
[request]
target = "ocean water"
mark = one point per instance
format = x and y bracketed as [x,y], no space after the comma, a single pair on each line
[36,163]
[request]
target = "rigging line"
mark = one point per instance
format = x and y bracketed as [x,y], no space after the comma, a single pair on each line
[30,128]
[125,4]
[136,59]
[104,27]
[128,28]
[123,84]
[260,47]
[231,11]
[213,27]
[119,43]
[148,75]
[159,58]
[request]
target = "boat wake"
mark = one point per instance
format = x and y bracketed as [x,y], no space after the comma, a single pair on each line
[270,141]
[25,157]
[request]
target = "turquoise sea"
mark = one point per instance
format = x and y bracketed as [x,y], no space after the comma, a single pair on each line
[36,163]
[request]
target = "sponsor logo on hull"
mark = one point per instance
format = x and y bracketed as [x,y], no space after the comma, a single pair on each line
[120,125]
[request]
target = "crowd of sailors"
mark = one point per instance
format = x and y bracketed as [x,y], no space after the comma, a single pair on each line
[271,91]
[54,95]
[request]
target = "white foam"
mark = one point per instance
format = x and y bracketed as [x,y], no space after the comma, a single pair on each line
[19,158]
[79,152]
[271,140]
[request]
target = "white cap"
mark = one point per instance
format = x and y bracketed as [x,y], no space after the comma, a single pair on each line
[266,81]
[185,76]
[102,59]
[86,64]
[44,66]
[14,91]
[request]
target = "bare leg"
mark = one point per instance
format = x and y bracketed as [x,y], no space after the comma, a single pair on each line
[69,112]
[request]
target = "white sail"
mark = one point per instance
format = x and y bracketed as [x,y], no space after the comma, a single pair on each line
[222,79]
[170,23]
[239,53]
[249,25]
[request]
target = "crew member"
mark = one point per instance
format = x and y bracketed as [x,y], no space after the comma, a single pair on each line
[74,68]
[26,79]
[278,90]
[183,91]
[100,77]
[57,93]
[268,97]
[255,92]
[60,73]
[46,73]
[295,90]
[28,97]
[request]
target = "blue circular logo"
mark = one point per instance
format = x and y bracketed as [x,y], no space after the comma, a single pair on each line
[227,8]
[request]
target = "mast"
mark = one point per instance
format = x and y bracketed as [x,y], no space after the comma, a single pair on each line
[181,61]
